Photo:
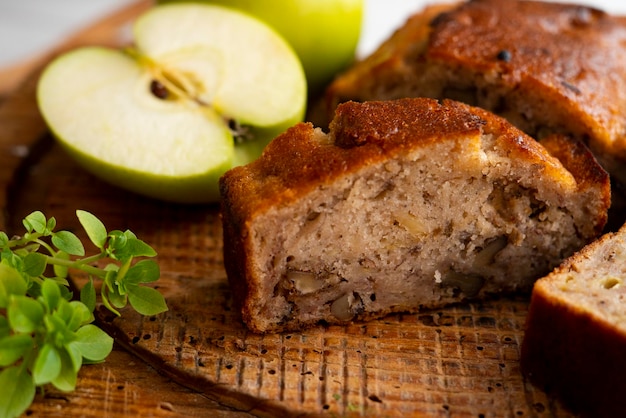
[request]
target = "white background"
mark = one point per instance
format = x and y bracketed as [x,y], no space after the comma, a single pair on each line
[30,27]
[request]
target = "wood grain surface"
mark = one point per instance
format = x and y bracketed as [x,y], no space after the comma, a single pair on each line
[197,359]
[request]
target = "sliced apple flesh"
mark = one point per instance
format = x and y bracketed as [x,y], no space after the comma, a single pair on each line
[203,89]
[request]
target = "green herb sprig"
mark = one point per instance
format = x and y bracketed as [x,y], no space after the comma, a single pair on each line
[46,335]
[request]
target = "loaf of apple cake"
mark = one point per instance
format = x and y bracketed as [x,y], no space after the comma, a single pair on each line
[546,67]
[404,205]
[575,336]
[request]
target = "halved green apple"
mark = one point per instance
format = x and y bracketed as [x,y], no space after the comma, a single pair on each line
[203,89]
[324,33]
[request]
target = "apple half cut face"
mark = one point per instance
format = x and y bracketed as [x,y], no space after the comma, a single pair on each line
[204,89]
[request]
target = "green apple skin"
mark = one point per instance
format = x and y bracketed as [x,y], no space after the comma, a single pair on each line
[192,189]
[324,33]
[99,104]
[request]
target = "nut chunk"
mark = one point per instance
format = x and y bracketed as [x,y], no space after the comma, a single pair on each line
[575,341]
[403,205]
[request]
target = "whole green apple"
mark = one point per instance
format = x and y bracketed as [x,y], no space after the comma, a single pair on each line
[324,33]
[204,89]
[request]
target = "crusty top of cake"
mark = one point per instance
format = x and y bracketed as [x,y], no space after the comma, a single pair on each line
[304,157]
[567,50]
[565,57]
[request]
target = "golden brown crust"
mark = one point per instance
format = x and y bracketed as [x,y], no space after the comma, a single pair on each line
[364,133]
[296,161]
[568,61]
[389,61]
[563,53]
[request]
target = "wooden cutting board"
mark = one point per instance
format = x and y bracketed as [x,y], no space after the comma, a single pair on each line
[459,361]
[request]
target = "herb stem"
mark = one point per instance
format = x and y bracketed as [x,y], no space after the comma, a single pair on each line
[29,237]
[81,264]
[45,245]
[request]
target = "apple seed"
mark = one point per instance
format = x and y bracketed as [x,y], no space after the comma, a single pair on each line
[241,133]
[159,90]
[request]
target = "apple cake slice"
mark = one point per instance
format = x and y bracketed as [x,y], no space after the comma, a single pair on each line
[403,205]
[575,336]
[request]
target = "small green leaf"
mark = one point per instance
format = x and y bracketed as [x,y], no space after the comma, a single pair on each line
[75,356]
[63,311]
[66,293]
[47,365]
[88,295]
[4,239]
[11,283]
[57,329]
[81,315]
[18,391]
[35,264]
[144,271]
[111,268]
[36,221]
[50,294]
[110,308]
[104,294]
[51,224]
[138,248]
[93,343]
[34,291]
[66,379]
[110,277]
[14,347]
[25,314]
[117,241]
[64,286]
[12,259]
[94,228]
[68,242]
[117,299]
[146,300]
[30,248]
[61,271]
